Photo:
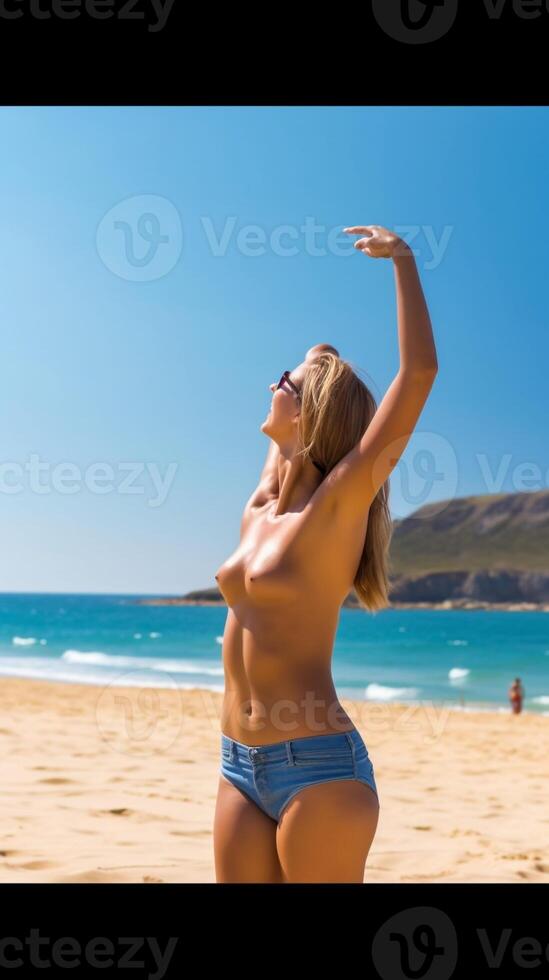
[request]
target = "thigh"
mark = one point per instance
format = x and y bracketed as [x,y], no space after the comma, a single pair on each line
[244,839]
[326,830]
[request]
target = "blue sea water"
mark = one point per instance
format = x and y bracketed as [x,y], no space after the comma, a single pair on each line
[461,659]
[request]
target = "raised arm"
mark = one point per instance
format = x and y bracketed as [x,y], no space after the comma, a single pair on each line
[267,486]
[269,473]
[358,477]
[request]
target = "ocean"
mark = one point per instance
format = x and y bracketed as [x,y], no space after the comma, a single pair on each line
[464,660]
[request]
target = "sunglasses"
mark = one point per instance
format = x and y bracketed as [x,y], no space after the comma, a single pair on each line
[285,379]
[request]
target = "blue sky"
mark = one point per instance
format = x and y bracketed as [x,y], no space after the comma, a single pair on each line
[139,366]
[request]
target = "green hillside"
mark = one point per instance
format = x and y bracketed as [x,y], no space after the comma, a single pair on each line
[490,532]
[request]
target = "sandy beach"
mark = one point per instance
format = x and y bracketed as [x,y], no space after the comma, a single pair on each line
[111,784]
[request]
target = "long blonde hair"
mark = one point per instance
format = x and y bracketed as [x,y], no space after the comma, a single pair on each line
[336,409]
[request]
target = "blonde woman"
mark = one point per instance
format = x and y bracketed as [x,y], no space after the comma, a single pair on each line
[297,799]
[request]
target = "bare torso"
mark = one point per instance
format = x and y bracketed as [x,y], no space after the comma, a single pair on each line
[284,586]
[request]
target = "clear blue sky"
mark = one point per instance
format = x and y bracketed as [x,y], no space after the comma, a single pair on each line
[122,350]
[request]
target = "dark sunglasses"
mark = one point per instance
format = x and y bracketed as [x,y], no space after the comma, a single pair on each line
[285,378]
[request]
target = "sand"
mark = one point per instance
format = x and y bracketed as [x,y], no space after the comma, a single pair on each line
[119,785]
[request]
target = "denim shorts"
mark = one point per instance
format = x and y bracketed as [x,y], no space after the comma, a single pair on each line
[272,774]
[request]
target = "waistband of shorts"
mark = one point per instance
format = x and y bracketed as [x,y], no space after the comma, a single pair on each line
[330,740]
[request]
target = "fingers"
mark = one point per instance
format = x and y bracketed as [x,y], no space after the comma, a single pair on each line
[360,229]
[374,244]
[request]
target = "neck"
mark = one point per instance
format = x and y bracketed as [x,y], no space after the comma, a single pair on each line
[298,479]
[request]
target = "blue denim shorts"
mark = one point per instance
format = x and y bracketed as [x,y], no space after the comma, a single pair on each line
[272,774]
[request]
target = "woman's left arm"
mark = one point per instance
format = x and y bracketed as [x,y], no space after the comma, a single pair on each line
[415,335]
[267,486]
[269,473]
[358,477]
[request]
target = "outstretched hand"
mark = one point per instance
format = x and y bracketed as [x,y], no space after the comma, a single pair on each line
[379,242]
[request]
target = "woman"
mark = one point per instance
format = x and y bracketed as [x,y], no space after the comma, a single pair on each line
[297,798]
[516,696]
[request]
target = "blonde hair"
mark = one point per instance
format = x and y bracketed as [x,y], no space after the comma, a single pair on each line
[336,409]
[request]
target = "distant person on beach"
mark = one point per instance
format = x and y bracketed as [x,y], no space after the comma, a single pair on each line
[297,799]
[516,696]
